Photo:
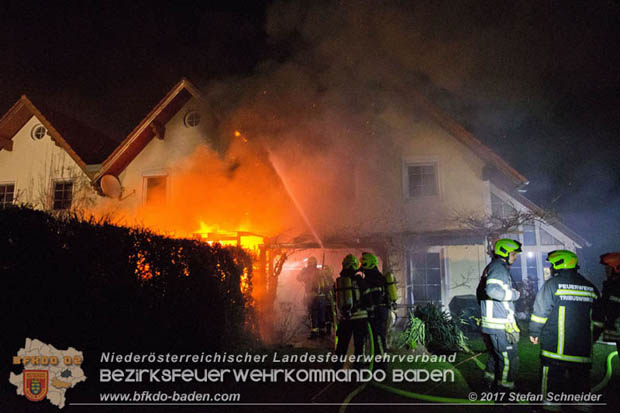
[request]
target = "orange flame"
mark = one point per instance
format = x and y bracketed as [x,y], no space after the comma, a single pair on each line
[237,200]
[213,234]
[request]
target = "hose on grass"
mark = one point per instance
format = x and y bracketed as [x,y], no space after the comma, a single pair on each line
[438,399]
[360,388]
[608,373]
[400,392]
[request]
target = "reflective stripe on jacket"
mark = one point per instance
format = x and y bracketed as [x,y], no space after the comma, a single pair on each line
[562,317]
[497,299]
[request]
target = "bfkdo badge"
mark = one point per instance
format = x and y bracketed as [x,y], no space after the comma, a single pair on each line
[35,384]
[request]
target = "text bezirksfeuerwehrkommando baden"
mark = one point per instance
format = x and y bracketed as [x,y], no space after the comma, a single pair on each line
[290,375]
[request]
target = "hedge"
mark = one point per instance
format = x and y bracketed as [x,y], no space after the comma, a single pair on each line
[75,282]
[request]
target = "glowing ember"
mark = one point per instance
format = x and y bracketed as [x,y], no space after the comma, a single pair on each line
[239,135]
[245,281]
[143,268]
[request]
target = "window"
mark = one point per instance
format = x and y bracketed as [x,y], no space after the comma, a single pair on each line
[516,271]
[530,262]
[529,235]
[548,239]
[422,180]
[501,208]
[38,132]
[424,281]
[155,187]
[63,195]
[192,119]
[7,194]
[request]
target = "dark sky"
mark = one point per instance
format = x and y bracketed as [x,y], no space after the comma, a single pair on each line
[537,81]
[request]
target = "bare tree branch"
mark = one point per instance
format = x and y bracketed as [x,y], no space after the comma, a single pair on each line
[492,227]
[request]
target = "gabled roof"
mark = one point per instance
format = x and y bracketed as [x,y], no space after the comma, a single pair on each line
[84,145]
[582,242]
[469,140]
[514,178]
[147,129]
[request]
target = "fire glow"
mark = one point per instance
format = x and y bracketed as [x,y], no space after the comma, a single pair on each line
[246,240]
[235,200]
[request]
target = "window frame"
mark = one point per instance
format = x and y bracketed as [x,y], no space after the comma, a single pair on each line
[539,249]
[543,244]
[421,162]
[53,198]
[409,284]
[188,119]
[155,174]
[35,128]
[3,203]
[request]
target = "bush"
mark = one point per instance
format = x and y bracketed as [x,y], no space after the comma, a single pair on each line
[413,334]
[97,286]
[442,334]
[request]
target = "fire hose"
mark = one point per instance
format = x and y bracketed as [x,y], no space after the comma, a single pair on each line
[608,373]
[438,399]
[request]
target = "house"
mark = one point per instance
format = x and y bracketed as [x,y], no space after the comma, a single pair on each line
[47,159]
[418,194]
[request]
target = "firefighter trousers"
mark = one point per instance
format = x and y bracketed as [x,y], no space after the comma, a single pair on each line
[378,323]
[358,328]
[503,362]
[318,313]
[562,378]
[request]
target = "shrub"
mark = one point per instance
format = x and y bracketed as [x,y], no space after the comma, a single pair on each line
[413,334]
[97,286]
[442,333]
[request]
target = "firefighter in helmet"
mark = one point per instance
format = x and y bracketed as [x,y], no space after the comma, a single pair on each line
[378,310]
[562,322]
[497,295]
[314,298]
[352,309]
[611,297]
[328,298]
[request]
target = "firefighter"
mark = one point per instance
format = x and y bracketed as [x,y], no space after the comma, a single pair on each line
[497,295]
[351,307]
[314,296]
[611,297]
[378,310]
[328,299]
[562,323]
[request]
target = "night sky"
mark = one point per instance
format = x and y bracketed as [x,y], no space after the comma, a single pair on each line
[537,81]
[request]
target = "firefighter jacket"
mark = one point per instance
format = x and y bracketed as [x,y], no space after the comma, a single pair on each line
[317,282]
[611,308]
[376,288]
[360,302]
[497,295]
[310,277]
[562,318]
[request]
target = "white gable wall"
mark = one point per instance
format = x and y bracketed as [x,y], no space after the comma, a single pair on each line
[33,165]
[160,157]
[383,180]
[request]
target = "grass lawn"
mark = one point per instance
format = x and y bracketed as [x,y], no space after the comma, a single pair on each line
[529,364]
